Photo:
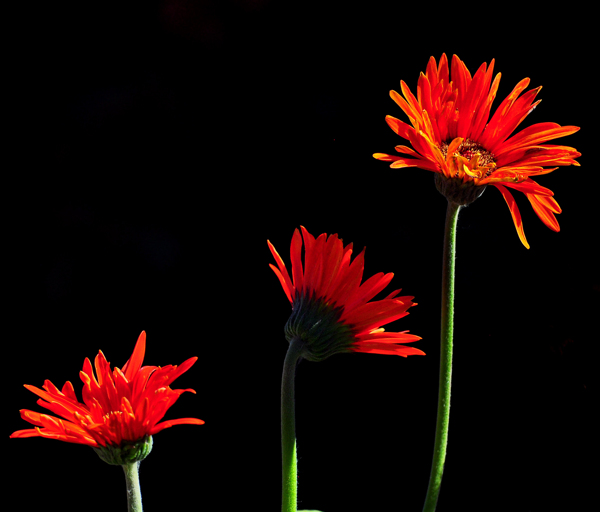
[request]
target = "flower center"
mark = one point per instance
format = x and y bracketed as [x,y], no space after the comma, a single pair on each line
[470,149]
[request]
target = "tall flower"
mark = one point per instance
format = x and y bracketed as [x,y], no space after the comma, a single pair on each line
[452,135]
[120,407]
[331,310]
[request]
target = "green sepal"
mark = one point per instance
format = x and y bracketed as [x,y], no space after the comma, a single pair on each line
[457,191]
[127,453]
[318,325]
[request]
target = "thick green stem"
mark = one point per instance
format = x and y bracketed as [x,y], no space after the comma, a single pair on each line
[132,479]
[443,412]
[289,499]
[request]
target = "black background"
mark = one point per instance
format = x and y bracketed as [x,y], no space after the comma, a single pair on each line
[156,146]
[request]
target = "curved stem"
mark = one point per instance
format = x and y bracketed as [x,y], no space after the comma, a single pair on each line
[289,500]
[443,412]
[134,494]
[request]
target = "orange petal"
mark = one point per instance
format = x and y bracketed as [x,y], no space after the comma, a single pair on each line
[399,127]
[413,116]
[181,421]
[535,134]
[530,187]
[413,162]
[514,211]
[545,207]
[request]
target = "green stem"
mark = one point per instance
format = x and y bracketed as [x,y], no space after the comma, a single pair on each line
[443,412]
[289,500]
[132,479]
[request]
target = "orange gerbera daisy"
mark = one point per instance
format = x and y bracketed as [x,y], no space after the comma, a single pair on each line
[331,311]
[451,135]
[120,407]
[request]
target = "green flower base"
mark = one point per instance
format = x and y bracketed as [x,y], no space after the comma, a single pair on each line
[127,453]
[457,191]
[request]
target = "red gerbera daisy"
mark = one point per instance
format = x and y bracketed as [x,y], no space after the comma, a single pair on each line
[120,407]
[331,311]
[451,135]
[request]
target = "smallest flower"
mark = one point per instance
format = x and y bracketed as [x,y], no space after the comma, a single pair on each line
[331,310]
[121,409]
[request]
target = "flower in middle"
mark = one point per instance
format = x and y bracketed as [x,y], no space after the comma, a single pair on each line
[331,311]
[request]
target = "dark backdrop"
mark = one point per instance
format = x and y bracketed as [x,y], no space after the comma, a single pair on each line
[156,146]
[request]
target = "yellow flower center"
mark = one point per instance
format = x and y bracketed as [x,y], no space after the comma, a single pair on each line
[469,158]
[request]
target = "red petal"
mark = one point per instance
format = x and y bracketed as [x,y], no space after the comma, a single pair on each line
[468,107]
[349,281]
[22,434]
[62,400]
[296,259]
[381,348]
[431,72]
[375,314]
[282,280]
[530,187]
[495,125]
[180,370]
[133,365]
[283,274]
[485,107]
[332,260]
[369,289]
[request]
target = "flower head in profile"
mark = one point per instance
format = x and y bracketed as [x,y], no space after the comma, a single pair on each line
[331,311]
[452,135]
[120,407]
